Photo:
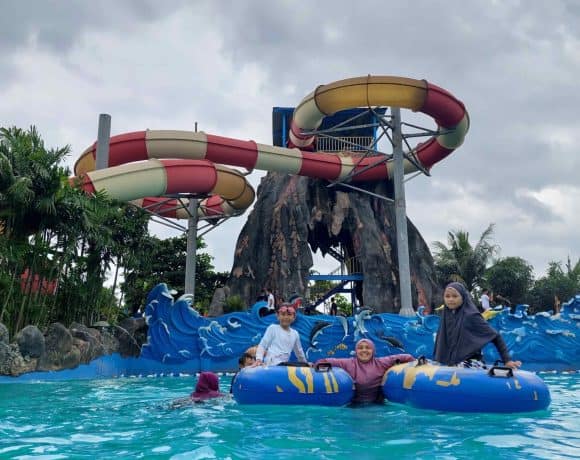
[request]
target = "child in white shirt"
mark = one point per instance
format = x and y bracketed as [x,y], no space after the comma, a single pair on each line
[280,340]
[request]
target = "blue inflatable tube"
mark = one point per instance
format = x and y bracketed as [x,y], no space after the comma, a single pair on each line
[321,386]
[457,389]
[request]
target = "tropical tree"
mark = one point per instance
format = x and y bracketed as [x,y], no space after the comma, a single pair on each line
[319,288]
[573,272]
[97,237]
[460,261]
[343,304]
[559,284]
[164,261]
[512,278]
[31,181]
[52,234]
[31,190]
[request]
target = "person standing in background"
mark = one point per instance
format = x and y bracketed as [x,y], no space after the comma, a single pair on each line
[333,307]
[484,300]
[270,299]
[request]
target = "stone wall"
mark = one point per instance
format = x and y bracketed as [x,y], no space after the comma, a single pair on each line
[65,348]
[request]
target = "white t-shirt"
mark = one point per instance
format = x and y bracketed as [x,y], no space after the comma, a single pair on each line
[484,299]
[279,343]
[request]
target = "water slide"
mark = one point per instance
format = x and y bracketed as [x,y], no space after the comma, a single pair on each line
[148,164]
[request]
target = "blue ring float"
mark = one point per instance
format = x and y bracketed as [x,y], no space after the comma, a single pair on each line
[321,386]
[457,389]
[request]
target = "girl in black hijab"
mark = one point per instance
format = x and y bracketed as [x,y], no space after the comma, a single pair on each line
[463,332]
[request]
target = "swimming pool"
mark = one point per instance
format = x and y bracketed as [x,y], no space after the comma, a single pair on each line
[130,418]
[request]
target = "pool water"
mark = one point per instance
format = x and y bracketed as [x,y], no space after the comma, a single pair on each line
[132,418]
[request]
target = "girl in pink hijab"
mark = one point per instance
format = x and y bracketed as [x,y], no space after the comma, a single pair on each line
[207,387]
[367,371]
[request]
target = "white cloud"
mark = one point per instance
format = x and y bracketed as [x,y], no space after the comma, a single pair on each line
[562,200]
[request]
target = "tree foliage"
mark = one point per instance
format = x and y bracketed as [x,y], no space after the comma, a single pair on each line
[343,304]
[460,261]
[559,285]
[318,288]
[50,234]
[31,178]
[512,278]
[164,261]
[53,234]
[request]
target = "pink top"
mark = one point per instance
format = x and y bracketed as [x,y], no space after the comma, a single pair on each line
[368,376]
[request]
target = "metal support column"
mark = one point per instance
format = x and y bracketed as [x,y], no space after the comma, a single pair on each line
[191,250]
[103,137]
[401,217]
[191,247]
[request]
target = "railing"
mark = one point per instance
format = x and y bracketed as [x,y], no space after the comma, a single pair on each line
[351,265]
[339,144]
[354,265]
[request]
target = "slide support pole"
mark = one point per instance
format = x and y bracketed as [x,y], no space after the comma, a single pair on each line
[401,217]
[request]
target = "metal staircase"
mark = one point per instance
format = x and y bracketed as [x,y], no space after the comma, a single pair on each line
[353,276]
[336,255]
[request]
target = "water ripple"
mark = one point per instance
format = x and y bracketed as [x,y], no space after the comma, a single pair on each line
[129,418]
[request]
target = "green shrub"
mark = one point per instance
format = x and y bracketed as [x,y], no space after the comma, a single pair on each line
[234,303]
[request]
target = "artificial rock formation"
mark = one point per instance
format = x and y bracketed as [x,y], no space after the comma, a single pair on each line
[295,215]
[61,348]
[216,307]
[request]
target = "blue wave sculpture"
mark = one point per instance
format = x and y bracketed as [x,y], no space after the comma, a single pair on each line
[179,334]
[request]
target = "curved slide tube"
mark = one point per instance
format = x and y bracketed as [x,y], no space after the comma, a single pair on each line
[417,95]
[230,192]
[154,175]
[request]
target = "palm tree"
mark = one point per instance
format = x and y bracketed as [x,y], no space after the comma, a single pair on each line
[52,231]
[573,272]
[30,185]
[460,261]
[30,181]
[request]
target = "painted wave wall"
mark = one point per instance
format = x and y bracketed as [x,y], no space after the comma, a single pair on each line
[178,334]
[181,341]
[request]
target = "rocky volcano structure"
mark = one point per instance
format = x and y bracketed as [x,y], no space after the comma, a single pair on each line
[294,216]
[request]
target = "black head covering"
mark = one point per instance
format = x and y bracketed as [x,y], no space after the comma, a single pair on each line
[462,332]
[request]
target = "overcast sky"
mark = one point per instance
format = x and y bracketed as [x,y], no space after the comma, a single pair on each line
[225,64]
